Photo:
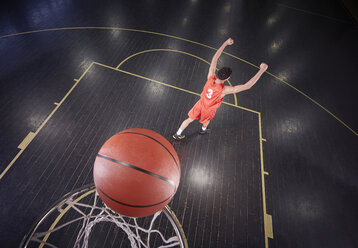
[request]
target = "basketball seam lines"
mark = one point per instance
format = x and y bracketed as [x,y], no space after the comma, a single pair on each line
[134,206]
[176,163]
[139,169]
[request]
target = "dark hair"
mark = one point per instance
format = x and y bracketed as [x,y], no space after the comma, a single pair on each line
[224,73]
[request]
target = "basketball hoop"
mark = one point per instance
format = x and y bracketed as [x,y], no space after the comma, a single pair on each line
[81,218]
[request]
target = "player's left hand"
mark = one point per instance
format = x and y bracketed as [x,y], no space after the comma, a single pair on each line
[230,41]
[263,67]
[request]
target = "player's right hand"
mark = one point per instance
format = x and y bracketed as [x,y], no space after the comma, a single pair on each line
[229,42]
[263,67]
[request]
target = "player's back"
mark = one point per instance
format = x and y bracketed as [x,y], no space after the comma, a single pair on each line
[211,95]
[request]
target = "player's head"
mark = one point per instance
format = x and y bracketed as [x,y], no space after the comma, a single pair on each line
[224,73]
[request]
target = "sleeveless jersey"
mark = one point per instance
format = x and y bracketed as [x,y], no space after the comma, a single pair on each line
[210,97]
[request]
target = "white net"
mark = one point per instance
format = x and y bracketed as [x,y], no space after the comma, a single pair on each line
[81,219]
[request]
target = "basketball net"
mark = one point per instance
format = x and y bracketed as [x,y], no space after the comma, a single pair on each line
[97,212]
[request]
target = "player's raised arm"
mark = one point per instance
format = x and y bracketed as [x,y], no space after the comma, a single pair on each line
[232,90]
[214,60]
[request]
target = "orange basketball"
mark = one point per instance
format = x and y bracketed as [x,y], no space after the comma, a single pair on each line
[136,172]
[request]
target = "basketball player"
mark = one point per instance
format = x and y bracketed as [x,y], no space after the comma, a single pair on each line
[213,93]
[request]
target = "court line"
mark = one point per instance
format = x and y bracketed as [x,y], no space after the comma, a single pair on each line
[171,50]
[29,137]
[268,227]
[178,38]
[160,49]
[314,13]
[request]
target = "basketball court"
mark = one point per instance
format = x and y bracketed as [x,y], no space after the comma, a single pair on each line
[278,169]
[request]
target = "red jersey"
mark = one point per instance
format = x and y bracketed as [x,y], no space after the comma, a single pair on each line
[211,95]
[210,100]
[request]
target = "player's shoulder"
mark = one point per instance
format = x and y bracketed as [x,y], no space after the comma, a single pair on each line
[211,76]
[211,79]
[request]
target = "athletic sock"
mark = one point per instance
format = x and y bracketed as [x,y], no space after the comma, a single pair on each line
[203,128]
[179,131]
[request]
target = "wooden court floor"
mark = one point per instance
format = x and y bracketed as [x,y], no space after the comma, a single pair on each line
[280,166]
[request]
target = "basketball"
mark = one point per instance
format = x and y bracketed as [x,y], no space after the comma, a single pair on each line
[136,172]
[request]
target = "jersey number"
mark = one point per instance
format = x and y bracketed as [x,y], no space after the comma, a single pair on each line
[210,93]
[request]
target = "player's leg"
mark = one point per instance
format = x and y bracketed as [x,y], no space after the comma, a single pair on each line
[205,125]
[178,135]
[204,128]
[193,114]
[185,124]
[206,116]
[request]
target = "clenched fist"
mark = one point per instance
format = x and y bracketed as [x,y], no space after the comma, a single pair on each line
[263,67]
[229,42]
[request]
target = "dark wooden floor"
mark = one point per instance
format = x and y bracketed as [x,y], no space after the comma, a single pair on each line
[305,108]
